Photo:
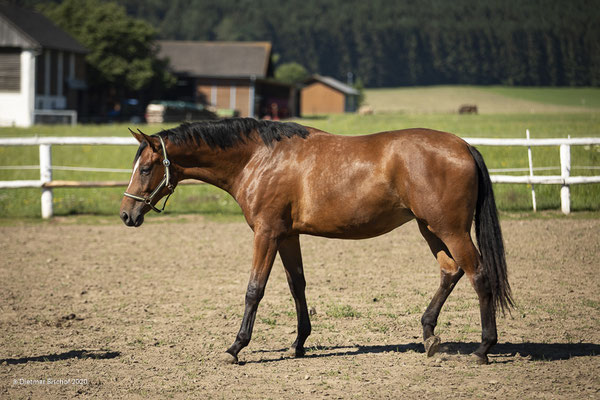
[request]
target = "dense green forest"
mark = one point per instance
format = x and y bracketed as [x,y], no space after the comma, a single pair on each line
[398,43]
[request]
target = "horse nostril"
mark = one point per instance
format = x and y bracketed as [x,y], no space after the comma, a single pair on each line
[125,217]
[139,220]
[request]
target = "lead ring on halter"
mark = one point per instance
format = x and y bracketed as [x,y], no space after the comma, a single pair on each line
[165,182]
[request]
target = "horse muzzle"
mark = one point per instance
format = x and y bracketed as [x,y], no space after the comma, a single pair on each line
[132,219]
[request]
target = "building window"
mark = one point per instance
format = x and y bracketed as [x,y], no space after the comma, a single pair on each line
[10,70]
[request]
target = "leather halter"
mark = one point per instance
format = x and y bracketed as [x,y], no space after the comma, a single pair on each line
[164,183]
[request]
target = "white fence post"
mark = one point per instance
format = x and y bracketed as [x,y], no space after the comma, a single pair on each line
[531,172]
[565,172]
[46,176]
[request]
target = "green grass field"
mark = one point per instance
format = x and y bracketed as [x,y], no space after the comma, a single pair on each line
[583,122]
[571,97]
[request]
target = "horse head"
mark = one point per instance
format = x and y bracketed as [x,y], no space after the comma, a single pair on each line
[151,180]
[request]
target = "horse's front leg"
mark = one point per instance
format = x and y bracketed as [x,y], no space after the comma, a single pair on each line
[265,249]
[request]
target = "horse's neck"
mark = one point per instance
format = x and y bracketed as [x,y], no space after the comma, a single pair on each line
[220,168]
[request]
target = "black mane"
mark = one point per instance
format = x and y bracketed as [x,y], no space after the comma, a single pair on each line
[229,132]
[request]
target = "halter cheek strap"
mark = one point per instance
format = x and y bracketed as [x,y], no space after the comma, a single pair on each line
[166,182]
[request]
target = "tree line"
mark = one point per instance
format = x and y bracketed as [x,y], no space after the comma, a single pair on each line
[401,42]
[398,43]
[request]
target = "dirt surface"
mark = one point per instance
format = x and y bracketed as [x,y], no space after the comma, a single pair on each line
[105,311]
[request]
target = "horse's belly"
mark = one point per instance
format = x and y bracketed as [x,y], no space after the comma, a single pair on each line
[347,223]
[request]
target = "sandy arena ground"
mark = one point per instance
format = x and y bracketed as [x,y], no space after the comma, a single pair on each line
[94,310]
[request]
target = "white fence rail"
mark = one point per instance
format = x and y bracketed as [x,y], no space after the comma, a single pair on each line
[46,183]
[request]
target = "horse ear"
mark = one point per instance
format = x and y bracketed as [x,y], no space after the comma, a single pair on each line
[141,137]
[138,136]
[153,141]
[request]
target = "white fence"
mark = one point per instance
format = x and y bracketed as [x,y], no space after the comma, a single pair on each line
[46,183]
[565,179]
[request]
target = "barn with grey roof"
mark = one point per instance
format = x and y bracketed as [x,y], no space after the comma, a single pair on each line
[229,75]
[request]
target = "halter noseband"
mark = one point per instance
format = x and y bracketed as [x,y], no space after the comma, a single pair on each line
[165,182]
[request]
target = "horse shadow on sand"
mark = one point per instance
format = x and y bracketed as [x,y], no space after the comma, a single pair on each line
[500,353]
[73,354]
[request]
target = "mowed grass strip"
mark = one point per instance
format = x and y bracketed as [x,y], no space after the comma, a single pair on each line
[209,200]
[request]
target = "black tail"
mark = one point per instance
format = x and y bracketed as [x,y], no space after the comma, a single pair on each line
[489,238]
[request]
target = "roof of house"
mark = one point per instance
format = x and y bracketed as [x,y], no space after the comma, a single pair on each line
[24,28]
[333,83]
[217,59]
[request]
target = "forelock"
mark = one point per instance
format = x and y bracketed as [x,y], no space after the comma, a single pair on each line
[143,145]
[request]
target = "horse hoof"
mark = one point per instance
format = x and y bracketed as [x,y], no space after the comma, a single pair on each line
[228,358]
[480,360]
[431,345]
[295,352]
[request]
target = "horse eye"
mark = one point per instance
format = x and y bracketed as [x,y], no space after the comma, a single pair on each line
[145,170]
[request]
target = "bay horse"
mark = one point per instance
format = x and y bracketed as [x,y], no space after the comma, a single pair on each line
[291,179]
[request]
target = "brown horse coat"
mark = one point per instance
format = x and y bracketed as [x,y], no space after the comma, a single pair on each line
[291,180]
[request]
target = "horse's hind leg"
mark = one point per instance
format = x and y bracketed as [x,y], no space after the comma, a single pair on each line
[489,334]
[466,255]
[450,275]
[291,256]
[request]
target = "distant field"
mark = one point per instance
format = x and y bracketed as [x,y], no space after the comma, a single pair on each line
[489,100]
[484,125]
[212,201]
[572,97]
